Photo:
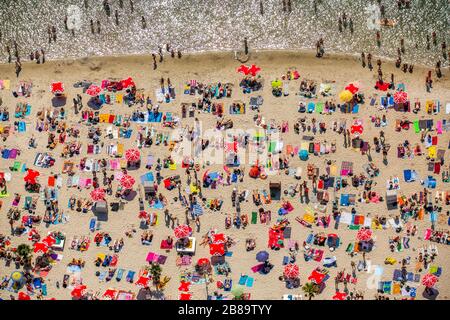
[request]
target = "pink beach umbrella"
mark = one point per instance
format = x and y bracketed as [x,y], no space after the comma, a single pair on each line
[364,234]
[132,155]
[182,231]
[400,97]
[57,87]
[93,90]
[98,194]
[429,280]
[127,181]
[291,271]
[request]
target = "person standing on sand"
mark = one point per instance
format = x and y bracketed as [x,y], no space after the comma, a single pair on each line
[107,8]
[43,56]
[143,23]
[92,26]
[438,69]
[116,13]
[363,59]
[340,24]
[54,33]
[369,61]
[378,39]
[245,46]
[49,32]
[37,56]
[8,49]
[261,7]
[131,6]
[98,27]
[179,54]
[18,67]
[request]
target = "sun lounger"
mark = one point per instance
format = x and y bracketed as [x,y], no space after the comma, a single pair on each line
[242,280]
[130,276]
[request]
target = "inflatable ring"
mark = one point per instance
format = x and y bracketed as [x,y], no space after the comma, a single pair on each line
[263,176]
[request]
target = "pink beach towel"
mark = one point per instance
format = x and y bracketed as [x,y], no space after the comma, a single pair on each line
[427,235]
[439,127]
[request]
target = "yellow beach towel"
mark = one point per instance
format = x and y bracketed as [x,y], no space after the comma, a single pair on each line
[7,84]
[173,166]
[119,98]
[432,152]
[333,170]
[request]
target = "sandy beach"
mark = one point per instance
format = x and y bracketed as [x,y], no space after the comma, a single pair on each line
[209,68]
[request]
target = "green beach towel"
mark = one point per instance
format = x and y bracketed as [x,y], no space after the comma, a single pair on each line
[319,107]
[254,217]
[416,126]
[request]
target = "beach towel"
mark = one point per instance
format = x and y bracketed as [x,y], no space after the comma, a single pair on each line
[257,268]
[254,219]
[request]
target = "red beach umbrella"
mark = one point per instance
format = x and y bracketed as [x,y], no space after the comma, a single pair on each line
[400,97]
[132,155]
[291,271]
[316,277]
[110,294]
[340,296]
[57,87]
[78,291]
[218,238]
[243,69]
[127,181]
[40,247]
[49,241]
[23,296]
[364,234]
[352,88]
[93,90]
[182,231]
[142,281]
[185,296]
[429,280]
[31,176]
[98,194]
[184,286]
[127,83]
[203,262]
[254,70]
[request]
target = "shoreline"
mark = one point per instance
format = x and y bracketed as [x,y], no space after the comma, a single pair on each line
[222,53]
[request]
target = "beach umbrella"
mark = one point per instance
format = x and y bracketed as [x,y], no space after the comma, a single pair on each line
[364,234]
[400,97]
[184,286]
[132,155]
[40,247]
[185,296]
[127,181]
[127,83]
[243,69]
[182,231]
[291,271]
[340,296]
[262,256]
[429,280]
[352,87]
[216,249]
[17,276]
[346,96]
[49,241]
[78,291]
[31,176]
[237,291]
[93,90]
[110,294]
[57,87]
[253,70]
[218,238]
[24,296]
[142,281]
[98,194]
[276,84]
[203,262]
[143,215]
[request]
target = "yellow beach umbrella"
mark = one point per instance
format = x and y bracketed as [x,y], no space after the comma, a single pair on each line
[276,84]
[17,276]
[345,96]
